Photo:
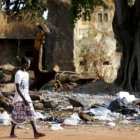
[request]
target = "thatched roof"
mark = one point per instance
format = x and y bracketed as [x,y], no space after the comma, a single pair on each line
[16,30]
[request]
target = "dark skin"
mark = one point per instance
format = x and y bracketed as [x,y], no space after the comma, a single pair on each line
[24,67]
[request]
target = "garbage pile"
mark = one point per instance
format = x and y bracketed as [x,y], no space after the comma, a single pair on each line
[123,108]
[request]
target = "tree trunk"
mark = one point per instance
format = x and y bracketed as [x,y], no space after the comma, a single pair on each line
[126,25]
[41,77]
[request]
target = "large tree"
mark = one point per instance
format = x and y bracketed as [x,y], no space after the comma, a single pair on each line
[20,10]
[127,31]
[126,26]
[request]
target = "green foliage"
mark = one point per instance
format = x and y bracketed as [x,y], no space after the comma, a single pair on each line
[22,9]
[47,86]
[84,8]
[31,10]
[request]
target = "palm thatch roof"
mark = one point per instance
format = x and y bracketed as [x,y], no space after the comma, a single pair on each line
[16,30]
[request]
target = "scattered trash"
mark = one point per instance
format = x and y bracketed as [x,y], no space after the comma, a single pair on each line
[111,124]
[129,99]
[107,103]
[73,120]
[60,120]
[70,121]
[20,126]
[5,117]
[122,108]
[56,127]
[1,121]
[38,115]
[122,94]
[124,122]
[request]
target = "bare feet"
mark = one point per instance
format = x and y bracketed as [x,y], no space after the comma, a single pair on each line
[39,135]
[13,136]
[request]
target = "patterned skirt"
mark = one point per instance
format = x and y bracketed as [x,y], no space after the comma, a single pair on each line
[21,112]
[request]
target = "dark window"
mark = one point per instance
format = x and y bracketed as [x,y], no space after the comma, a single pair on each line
[106,17]
[100,17]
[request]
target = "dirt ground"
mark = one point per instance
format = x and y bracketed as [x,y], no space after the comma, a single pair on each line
[94,132]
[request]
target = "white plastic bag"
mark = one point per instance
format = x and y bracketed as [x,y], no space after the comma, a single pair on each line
[6,118]
[56,127]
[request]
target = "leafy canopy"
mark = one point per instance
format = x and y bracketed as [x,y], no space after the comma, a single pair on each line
[33,9]
[23,9]
[84,8]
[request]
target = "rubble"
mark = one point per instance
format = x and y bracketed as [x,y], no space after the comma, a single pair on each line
[71,105]
[75,103]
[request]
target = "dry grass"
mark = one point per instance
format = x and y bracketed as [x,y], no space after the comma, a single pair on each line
[16,29]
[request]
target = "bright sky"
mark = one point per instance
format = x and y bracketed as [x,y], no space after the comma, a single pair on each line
[45,14]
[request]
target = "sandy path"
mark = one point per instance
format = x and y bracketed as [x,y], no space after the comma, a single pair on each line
[77,133]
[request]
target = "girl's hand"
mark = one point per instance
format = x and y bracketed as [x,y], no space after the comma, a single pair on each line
[26,103]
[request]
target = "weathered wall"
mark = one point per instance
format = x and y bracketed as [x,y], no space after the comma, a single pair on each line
[9,50]
[92,46]
[60,40]
[95,46]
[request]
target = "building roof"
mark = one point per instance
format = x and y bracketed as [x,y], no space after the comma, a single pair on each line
[17,30]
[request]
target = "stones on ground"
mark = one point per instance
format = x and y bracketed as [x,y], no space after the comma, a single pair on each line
[1,96]
[38,106]
[10,87]
[36,102]
[50,104]
[10,97]
[7,67]
[75,103]
[84,116]
[6,78]
[37,97]
[5,103]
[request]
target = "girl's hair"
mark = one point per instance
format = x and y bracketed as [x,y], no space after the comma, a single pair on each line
[24,60]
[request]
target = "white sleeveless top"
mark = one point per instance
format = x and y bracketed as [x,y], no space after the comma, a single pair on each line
[22,77]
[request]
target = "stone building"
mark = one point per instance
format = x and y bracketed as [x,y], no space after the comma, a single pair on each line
[90,47]
[95,46]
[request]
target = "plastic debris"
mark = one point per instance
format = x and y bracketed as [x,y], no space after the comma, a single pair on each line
[21,127]
[6,118]
[107,103]
[122,94]
[100,111]
[111,124]
[103,114]
[56,127]
[1,121]
[125,97]
[129,99]
[70,121]
[60,120]
[38,115]
[124,122]
[73,120]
